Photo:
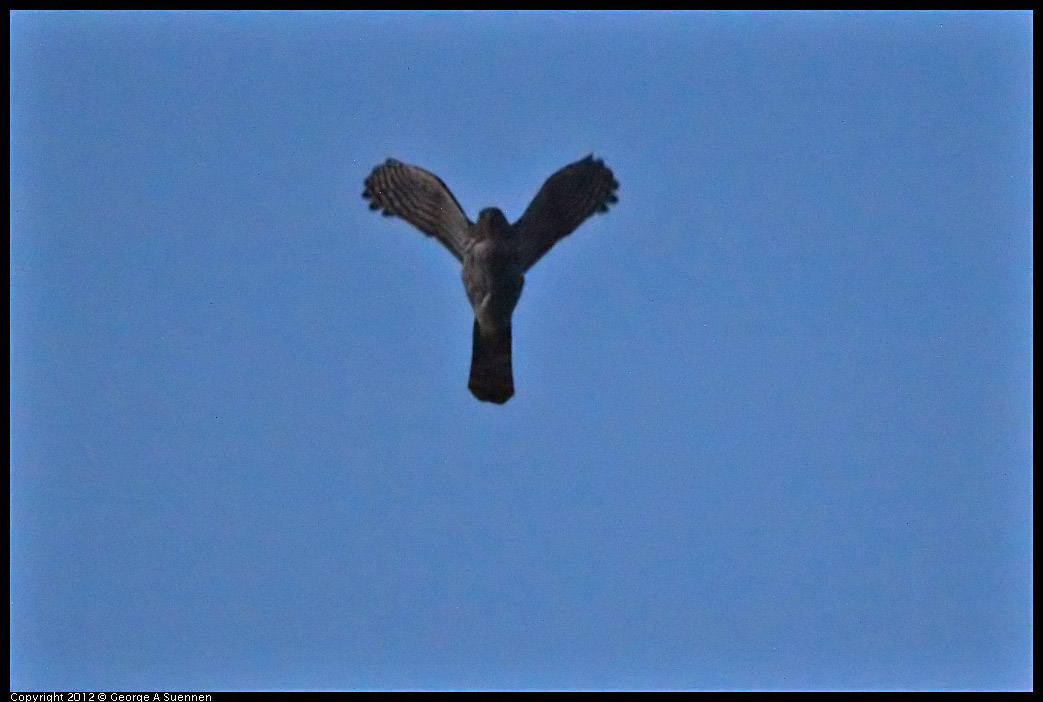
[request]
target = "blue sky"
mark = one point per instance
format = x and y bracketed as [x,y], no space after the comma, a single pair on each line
[772,427]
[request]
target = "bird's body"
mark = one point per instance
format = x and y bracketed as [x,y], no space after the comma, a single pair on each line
[494,253]
[492,272]
[493,278]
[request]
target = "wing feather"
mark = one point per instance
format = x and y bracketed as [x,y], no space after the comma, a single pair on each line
[567,198]
[422,199]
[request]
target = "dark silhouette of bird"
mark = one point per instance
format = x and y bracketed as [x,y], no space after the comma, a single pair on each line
[495,254]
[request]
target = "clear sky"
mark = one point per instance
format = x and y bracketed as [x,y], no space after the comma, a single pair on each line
[772,427]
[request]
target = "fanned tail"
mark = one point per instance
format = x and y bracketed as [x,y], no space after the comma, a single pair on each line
[492,379]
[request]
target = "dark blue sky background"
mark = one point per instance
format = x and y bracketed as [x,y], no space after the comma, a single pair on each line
[772,426]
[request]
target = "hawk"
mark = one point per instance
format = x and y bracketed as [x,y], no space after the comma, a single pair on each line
[495,254]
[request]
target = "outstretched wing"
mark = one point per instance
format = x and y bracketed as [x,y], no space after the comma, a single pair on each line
[423,200]
[565,200]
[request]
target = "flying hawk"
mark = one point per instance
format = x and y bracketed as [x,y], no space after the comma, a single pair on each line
[495,254]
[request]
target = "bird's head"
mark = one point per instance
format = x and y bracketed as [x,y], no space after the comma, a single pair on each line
[492,224]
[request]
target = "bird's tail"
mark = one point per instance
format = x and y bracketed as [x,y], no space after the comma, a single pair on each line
[492,379]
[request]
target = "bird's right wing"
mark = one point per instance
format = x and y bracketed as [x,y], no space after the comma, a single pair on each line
[567,198]
[423,200]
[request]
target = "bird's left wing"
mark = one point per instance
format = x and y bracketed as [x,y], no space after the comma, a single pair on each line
[423,200]
[567,198]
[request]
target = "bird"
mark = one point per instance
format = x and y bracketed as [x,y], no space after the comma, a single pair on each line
[494,254]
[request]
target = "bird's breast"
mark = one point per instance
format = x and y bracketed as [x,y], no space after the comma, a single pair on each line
[491,271]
